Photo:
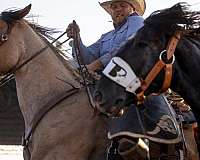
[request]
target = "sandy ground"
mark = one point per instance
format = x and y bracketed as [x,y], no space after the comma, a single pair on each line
[11,153]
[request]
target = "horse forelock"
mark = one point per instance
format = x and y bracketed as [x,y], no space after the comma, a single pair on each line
[175,18]
[8,16]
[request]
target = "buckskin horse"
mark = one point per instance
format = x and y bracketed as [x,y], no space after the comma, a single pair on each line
[165,53]
[59,122]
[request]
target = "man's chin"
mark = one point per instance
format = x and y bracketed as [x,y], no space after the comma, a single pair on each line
[119,21]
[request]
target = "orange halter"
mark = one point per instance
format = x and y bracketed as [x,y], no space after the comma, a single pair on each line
[161,64]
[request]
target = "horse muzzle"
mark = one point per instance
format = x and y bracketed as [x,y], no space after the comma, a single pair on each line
[115,109]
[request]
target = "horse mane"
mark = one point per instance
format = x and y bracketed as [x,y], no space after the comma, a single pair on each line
[46,34]
[10,17]
[175,18]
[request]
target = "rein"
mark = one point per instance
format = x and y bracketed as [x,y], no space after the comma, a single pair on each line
[39,116]
[82,67]
[9,75]
[161,64]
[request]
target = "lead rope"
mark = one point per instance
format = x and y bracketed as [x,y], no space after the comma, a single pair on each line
[82,67]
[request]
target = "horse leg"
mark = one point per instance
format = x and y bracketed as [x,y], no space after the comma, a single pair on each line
[133,149]
[196,130]
[160,151]
[192,151]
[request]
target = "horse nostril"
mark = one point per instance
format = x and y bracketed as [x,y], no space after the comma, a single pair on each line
[98,96]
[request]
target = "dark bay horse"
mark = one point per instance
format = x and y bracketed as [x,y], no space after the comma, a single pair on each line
[59,122]
[142,52]
[138,56]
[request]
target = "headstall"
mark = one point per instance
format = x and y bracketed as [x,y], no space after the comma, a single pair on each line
[120,72]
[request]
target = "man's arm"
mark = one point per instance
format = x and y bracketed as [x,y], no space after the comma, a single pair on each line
[88,54]
[134,24]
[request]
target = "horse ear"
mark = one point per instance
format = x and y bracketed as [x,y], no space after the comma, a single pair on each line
[22,13]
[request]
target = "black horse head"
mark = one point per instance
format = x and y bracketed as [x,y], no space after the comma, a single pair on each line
[142,52]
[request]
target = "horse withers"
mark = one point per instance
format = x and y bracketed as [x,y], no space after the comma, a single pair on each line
[139,55]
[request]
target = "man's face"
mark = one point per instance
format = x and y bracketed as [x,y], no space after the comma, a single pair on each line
[119,11]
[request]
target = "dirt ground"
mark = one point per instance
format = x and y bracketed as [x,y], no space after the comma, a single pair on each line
[10,152]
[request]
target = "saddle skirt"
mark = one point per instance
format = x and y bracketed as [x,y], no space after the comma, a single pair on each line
[154,120]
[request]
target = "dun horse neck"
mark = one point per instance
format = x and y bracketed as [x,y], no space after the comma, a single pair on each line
[66,132]
[58,134]
[40,80]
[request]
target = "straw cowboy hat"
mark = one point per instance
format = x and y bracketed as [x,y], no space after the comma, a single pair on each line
[139,5]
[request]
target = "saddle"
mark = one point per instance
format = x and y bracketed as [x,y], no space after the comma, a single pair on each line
[181,107]
[154,120]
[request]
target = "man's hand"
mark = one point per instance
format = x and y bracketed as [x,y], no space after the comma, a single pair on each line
[72,30]
[94,66]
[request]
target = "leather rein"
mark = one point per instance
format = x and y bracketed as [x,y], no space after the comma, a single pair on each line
[161,64]
[38,118]
[9,75]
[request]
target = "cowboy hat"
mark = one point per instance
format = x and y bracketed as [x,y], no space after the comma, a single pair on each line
[139,5]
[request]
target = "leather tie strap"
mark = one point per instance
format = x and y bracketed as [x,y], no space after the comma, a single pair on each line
[168,77]
[168,67]
[161,65]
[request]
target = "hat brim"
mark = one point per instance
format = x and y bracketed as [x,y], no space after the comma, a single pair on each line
[140,5]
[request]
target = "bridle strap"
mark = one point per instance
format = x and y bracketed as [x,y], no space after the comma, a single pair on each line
[7,77]
[168,77]
[159,66]
[168,67]
[152,75]
[173,43]
[37,53]
[41,114]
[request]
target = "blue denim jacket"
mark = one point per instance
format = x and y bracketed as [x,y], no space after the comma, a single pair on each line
[105,48]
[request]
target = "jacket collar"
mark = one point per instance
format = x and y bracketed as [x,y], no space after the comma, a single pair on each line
[125,20]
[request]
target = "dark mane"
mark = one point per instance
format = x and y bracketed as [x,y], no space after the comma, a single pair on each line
[10,17]
[46,34]
[43,31]
[177,17]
